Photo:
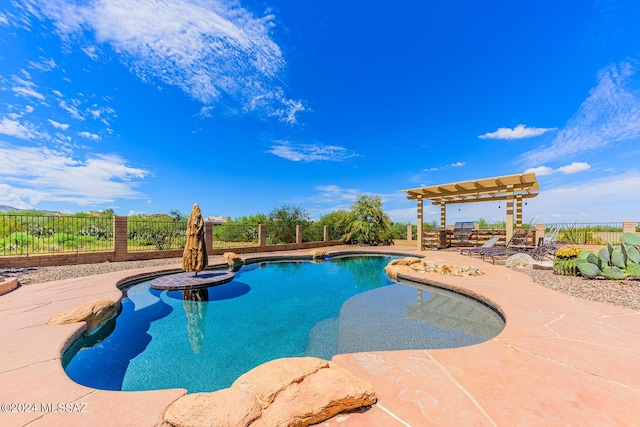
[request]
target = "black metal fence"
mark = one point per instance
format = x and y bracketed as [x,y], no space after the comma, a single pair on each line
[227,236]
[147,234]
[28,234]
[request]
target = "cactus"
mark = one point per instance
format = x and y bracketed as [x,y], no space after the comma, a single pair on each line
[589,270]
[632,239]
[633,269]
[565,267]
[612,262]
[633,254]
[613,273]
[618,258]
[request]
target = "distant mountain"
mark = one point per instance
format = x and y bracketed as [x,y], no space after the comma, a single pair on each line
[8,208]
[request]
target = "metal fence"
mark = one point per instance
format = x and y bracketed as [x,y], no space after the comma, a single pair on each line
[279,234]
[146,234]
[587,233]
[227,236]
[312,233]
[28,234]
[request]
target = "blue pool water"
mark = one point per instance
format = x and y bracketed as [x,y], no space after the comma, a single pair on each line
[271,310]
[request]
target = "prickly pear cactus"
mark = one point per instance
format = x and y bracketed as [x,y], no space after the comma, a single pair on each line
[589,270]
[632,239]
[633,254]
[633,269]
[613,273]
[618,258]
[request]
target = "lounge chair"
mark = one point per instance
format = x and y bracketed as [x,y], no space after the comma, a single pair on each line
[488,244]
[519,243]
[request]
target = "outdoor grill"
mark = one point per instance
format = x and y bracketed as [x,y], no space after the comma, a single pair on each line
[462,231]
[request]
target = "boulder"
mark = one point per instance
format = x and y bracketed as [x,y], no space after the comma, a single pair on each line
[318,397]
[222,408]
[272,377]
[520,261]
[94,313]
[289,392]
[232,259]
[319,254]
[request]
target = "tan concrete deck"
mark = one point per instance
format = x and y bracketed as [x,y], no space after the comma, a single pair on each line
[560,361]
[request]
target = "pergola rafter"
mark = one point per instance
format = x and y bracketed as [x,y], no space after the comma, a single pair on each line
[503,188]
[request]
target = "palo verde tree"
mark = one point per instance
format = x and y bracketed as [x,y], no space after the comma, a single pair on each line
[366,221]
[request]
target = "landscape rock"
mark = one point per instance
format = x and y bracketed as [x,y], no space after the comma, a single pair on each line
[416,264]
[94,313]
[520,261]
[289,392]
[319,254]
[270,378]
[232,259]
[318,397]
[222,408]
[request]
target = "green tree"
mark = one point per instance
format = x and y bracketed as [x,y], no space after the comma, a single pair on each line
[282,221]
[367,221]
[336,221]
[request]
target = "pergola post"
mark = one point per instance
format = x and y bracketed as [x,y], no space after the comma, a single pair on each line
[443,215]
[519,211]
[509,224]
[420,224]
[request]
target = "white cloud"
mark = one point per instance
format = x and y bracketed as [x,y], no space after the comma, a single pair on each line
[89,135]
[210,49]
[518,132]
[608,199]
[574,167]
[310,152]
[24,131]
[540,170]
[610,115]
[457,164]
[43,64]
[34,174]
[57,125]
[25,88]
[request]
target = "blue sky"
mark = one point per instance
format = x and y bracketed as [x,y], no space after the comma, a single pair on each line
[145,106]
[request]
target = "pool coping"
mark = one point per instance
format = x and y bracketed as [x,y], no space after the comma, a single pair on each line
[560,360]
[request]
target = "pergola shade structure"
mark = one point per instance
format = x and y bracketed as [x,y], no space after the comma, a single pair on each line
[509,188]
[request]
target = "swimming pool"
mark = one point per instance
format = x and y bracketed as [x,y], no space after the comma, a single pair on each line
[271,310]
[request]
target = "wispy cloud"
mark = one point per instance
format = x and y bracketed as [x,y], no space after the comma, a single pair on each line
[25,88]
[89,135]
[35,174]
[610,115]
[310,152]
[212,50]
[20,130]
[452,165]
[58,125]
[518,132]
[572,168]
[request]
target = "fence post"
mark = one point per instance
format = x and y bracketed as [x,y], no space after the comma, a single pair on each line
[539,233]
[298,234]
[409,232]
[325,233]
[628,226]
[262,235]
[208,236]
[120,238]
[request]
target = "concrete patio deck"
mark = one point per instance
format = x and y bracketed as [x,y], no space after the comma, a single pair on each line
[560,361]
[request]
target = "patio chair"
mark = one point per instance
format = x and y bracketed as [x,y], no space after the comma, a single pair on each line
[488,244]
[519,243]
[545,250]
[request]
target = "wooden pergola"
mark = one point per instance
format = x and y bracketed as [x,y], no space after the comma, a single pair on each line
[509,188]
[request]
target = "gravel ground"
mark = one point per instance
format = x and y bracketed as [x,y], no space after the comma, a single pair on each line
[624,293]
